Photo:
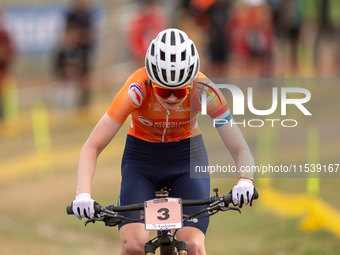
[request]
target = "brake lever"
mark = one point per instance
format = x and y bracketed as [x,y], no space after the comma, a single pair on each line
[224,209]
[93,220]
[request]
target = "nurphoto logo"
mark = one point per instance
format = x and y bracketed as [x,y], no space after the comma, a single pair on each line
[239,104]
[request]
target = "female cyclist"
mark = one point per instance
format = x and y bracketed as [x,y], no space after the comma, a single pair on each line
[163,142]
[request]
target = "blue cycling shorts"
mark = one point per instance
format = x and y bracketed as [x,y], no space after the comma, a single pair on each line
[149,167]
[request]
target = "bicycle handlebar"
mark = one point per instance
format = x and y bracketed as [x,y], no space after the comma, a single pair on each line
[135,207]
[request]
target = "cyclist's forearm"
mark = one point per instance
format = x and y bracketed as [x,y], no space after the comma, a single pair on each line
[238,148]
[244,162]
[100,137]
[86,169]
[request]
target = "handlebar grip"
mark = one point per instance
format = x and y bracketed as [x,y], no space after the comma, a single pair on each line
[97,209]
[227,198]
[69,210]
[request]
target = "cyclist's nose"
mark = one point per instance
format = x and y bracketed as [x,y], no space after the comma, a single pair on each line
[172,97]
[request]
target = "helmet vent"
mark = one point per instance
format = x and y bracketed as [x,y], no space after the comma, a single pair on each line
[173,75]
[173,39]
[189,74]
[181,37]
[190,70]
[163,38]
[181,74]
[162,55]
[173,58]
[192,50]
[154,69]
[153,50]
[164,75]
[183,56]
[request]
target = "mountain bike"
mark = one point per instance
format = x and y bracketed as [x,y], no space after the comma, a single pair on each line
[163,214]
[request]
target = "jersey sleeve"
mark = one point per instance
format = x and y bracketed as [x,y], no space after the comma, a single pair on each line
[216,104]
[128,99]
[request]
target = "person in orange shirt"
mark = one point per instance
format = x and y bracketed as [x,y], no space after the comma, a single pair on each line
[147,21]
[251,32]
[163,100]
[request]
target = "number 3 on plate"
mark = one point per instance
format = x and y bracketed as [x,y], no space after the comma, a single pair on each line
[163,214]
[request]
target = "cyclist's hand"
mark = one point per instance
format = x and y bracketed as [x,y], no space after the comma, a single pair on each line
[83,206]
[242,193]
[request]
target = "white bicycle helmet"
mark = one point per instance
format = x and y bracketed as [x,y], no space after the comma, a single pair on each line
[172,60]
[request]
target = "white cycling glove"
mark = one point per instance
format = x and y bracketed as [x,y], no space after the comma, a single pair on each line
[83,206]
[242,193]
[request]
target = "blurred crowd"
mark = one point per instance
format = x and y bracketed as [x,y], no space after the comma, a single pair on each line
[250,38]
[235,38]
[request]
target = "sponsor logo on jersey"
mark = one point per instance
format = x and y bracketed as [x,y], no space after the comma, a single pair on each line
[145,121]
[135,94]
[157,107]
[180,109]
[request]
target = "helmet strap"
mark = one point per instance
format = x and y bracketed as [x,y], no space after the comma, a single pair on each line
[148,83]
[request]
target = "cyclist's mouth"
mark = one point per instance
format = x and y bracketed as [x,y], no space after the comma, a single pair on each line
[171,103]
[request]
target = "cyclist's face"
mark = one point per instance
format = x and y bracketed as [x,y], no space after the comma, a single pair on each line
[171,103]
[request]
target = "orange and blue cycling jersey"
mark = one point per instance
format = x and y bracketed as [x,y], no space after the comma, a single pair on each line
[151,122]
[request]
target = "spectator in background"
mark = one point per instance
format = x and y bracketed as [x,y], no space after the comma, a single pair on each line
[79,21]
[291,20]
[218,49]
[69,64]
[276,6]
[6,58]
[328,12]
[251,34]
[147,21]
[288,17]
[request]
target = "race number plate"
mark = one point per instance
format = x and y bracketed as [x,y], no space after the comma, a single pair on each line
[163,213]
